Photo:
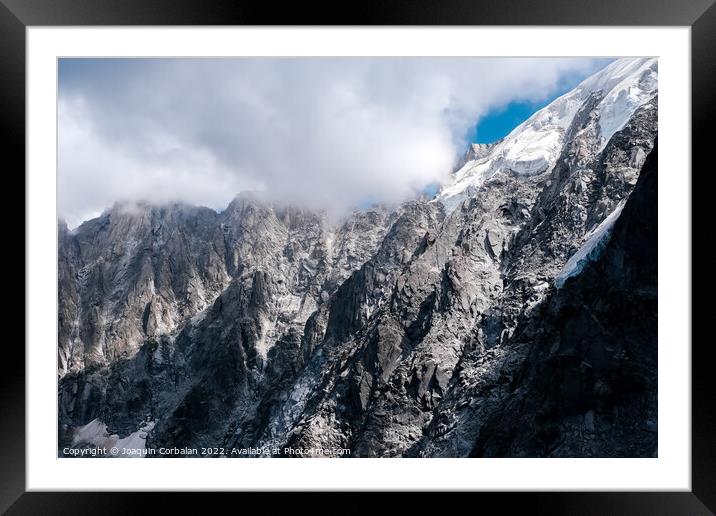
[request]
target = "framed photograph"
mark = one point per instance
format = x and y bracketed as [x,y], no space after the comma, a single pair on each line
[446,248]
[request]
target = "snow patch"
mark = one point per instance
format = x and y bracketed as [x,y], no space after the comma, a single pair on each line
[267,337]
[533,151]
[592,248]
[623,100]
[95,433]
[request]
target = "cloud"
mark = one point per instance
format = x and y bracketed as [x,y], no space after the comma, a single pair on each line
[323,132]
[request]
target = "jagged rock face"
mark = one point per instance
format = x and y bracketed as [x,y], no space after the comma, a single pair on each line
[588,386]
[395,332]
[475,152]
[143,276]
[135,272]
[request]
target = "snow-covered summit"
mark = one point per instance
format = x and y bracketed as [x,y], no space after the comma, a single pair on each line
[534,146]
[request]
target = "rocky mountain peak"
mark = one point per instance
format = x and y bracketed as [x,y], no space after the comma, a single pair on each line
[534,146]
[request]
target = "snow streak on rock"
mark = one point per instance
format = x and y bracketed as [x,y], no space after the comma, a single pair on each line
[594,244]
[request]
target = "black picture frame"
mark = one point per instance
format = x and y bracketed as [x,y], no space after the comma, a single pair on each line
[17,15]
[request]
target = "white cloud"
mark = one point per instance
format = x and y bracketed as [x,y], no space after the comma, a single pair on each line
[329,133]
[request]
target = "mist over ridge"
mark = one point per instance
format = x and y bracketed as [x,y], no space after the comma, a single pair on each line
[327,133]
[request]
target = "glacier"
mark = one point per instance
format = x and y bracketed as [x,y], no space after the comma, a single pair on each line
[534,146]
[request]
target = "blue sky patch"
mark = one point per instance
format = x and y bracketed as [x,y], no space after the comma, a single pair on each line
[500,121]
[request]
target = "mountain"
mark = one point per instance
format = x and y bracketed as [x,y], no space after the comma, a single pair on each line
[533,147]
[511,315]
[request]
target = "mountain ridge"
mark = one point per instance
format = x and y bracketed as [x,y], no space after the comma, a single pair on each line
[534,145]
